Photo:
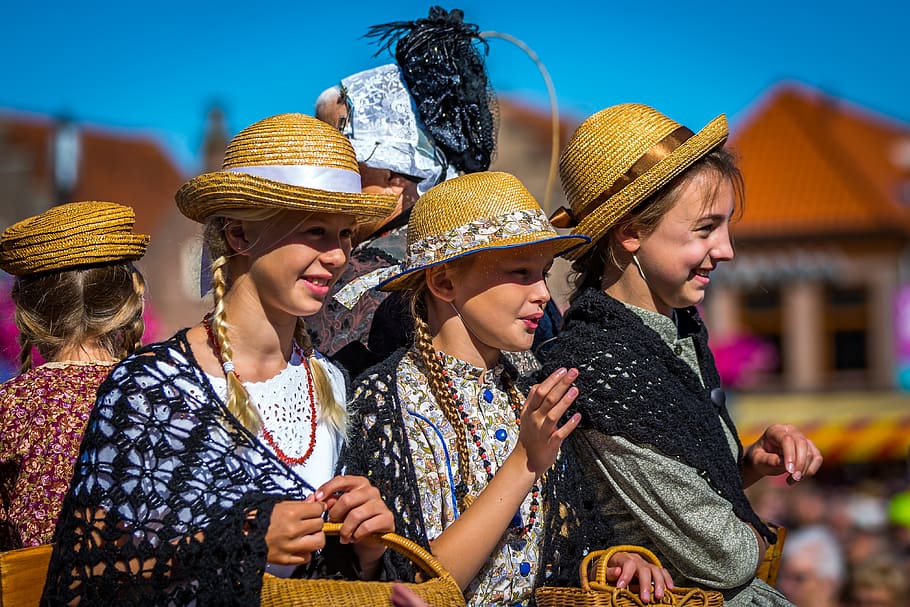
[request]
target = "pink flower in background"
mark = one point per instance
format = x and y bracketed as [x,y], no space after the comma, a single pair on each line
[742,358]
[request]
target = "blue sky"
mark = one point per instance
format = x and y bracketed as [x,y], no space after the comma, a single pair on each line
[157,66]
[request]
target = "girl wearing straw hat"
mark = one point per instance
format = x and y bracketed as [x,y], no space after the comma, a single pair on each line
[657,460]
[442,429]
[209,457]
[78,302]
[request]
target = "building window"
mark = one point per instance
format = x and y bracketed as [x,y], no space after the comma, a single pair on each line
[846,329]
[760,315]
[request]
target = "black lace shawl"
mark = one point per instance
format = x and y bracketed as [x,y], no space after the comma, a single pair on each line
[171,498]
[632,385]
[377,447]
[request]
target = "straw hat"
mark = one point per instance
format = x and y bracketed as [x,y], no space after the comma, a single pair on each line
[287,162]
[71,235]
[471,213]
[619,157]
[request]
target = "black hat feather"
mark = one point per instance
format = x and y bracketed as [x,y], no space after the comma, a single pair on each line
[444,70]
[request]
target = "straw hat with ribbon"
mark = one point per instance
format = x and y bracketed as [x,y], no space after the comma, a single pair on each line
[619,157]
[464,215]
[286,162]
[70,236]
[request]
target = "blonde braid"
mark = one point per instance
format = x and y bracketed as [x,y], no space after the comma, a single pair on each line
[238,400]
[25,353]
[132,333]
[433,371]
[330,410]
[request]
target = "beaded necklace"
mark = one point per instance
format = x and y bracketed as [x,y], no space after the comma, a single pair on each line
[517,524]
[228,367]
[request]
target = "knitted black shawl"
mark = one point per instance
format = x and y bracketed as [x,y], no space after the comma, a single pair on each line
[632,385]
[171,496]
[377,447]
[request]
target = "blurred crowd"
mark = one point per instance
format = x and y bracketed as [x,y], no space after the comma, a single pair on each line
[848,535]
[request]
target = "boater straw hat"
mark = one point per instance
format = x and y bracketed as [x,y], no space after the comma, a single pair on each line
[69,236]
[471,213]
[286,162]
[619,157]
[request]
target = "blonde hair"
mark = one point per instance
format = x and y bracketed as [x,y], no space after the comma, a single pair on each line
[432,368]
[238,400]
[58,311]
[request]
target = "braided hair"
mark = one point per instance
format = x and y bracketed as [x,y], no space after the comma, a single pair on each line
[429,364]
[238,400]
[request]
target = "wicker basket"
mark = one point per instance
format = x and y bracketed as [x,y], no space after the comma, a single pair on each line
[770,564]
[440,590]
[598,593]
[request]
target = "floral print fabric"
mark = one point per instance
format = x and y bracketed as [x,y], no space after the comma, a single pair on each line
[508,577]
[43,414]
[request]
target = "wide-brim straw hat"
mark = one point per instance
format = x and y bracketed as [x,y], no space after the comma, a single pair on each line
[619,157]
[472,213]
[286,162]
[70,236]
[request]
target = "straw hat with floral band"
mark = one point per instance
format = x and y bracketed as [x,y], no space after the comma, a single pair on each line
[287,162]
[464,215]
[69,236]
[619,157]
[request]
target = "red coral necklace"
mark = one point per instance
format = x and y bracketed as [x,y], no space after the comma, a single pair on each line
[266,433]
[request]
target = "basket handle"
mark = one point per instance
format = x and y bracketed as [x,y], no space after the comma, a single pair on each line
[402,545]
[603,557]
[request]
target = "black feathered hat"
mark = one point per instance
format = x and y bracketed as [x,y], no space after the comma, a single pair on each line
[444,70]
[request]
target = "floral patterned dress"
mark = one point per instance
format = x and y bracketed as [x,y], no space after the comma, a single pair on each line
[430,458]
[43,414]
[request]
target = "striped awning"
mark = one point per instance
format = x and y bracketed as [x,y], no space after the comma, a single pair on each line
[846,427]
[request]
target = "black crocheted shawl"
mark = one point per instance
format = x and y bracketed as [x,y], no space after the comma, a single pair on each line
[377,447]
[632,385]
[171,497]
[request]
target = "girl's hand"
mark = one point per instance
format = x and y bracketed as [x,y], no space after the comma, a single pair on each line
[295,531]
[354,502]
[781,449]
[402,596]
[546,403]
[624,566]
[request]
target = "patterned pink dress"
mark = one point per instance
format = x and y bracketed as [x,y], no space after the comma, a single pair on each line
[43,414]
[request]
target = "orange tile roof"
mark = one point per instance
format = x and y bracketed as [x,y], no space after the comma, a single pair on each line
[126,168]
[815,165]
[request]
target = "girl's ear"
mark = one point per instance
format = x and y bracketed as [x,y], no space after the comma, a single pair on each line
[235,236]
[439,282]
[629,237]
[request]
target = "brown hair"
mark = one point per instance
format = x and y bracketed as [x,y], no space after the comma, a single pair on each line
[238,400]
[589,269]
[56,311]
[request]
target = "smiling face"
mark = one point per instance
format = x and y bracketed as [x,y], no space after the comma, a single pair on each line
[499,295]
[293,259]
[688,243]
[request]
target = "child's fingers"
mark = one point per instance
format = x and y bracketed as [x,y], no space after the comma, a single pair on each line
[644,579]
[566,429]
[539,391]
[557,393]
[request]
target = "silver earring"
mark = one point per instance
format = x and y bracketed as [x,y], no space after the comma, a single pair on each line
[638,265]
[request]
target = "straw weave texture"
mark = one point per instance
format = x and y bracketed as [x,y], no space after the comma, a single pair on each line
[439,590]
[598,592]
[607,145]
[71,235]
[468,198]
[282,140]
